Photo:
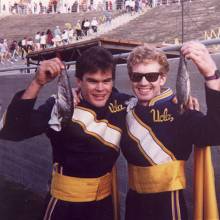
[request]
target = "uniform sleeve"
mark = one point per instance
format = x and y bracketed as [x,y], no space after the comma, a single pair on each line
[203,130]
[22,121]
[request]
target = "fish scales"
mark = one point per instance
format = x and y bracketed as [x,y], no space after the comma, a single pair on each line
[64,97]
[182,84]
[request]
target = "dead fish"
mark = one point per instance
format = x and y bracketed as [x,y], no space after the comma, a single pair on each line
[64,98]
[182,84]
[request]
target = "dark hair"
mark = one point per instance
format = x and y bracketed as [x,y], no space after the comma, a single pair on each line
[95,59]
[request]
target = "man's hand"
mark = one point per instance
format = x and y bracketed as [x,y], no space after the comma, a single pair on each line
[193,104]
[48,70]
[200,56]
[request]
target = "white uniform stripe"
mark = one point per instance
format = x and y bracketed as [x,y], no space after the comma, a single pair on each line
[147,141]
[100,128]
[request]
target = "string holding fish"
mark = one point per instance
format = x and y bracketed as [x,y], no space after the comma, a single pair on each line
[183,89]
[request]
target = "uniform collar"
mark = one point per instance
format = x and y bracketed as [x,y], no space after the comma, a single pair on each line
[165,95]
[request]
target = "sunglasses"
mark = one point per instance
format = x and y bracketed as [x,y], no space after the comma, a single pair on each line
[150,77]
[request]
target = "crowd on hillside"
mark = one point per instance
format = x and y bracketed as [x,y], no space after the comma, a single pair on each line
[56,7]
[33,7]
[12,51]
[18,49]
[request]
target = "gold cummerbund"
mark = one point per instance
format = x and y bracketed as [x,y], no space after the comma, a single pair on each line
[157,178]
[75,189]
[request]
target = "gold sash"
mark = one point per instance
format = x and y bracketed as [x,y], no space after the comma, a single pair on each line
[157,178]
[75,189]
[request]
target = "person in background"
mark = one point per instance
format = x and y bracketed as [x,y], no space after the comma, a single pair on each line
[94,24]
[37,41]
[14,51]
[57,31]
[86,26]
[78,30]
[82,26]
[30,44]
[24,47]
[43,40]
[2,51]
[49,39]
[108,17]
[65,37]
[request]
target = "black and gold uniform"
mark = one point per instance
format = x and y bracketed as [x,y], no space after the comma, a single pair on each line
[156,145]
[84,153]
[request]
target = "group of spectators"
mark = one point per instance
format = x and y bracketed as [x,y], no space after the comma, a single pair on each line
[40,8]
[9,52]
[12,51]
[134,6]
[55,6]
[66,36]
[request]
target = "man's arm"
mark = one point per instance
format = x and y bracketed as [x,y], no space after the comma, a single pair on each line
[21,121]
[202,129]
[200,56]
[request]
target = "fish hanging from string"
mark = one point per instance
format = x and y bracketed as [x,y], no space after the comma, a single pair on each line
[63,108]
[183,89]
[64,97]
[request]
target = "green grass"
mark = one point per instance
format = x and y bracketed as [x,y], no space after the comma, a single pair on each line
[18,203]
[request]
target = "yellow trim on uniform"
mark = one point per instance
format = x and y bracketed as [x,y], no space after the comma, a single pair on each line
[178,205]
[172,205]
[75,189]
[115,194]
[163,95]
[159,178]
[154,136]
[96,135]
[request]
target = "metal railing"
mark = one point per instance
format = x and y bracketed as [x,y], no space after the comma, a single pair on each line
[23,69]
[116,56]
[175,47]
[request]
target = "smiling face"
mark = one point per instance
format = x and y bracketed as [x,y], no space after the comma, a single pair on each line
[145,90]
[96,87]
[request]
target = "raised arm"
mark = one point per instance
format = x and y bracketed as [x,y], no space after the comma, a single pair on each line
[200,56]
[202,129]
[21,121]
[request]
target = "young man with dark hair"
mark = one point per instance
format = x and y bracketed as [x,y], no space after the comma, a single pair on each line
[85,150]
[159,139]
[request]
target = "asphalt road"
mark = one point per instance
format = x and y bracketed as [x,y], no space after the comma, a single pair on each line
[29,162]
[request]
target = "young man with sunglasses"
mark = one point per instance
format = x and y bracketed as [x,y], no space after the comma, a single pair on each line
[85,150]
[159,139]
